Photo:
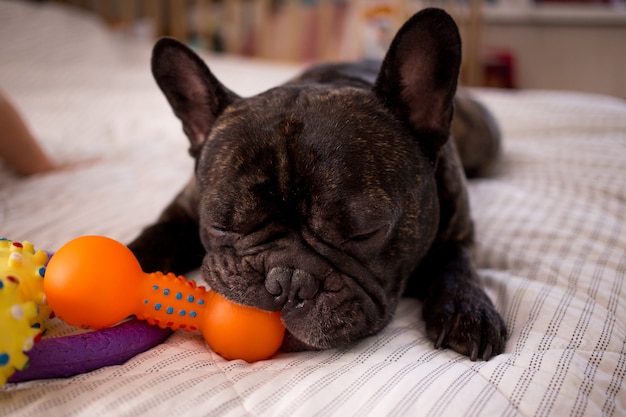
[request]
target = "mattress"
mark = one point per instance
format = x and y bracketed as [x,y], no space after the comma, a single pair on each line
[550,231]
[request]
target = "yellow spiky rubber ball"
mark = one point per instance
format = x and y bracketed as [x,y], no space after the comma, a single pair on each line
[23,306]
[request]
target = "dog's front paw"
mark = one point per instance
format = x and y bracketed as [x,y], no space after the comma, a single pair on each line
[466,321]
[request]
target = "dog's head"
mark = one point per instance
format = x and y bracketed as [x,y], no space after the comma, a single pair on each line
[318,199]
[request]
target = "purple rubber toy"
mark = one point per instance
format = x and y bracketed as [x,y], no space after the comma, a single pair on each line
[63,357]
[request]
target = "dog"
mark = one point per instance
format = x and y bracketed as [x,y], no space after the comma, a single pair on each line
[331,196]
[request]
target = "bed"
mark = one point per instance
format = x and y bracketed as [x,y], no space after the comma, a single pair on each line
[551,247]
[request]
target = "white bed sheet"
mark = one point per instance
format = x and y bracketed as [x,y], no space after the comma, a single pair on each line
[551,232]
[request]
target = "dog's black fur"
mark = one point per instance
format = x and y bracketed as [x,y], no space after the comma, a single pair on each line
[331,196]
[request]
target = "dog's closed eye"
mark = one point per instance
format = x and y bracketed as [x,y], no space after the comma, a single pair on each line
[365,236]
[221,235]
[370,238]
[218,229]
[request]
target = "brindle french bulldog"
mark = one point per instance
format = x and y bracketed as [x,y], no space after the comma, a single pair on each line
[331,196]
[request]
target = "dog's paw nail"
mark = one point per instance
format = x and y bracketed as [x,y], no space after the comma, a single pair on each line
[440,339]
[488,352]
[474,352]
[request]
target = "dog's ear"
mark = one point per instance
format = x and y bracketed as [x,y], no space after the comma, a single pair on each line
[418,77]
[196,96]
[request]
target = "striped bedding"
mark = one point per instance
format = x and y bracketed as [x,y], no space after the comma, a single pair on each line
[551,233]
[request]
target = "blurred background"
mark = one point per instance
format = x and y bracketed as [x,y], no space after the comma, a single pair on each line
[532,44]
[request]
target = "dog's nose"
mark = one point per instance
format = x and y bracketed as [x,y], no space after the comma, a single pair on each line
[291,284]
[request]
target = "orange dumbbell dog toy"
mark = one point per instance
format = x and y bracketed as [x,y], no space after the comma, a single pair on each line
[95,282]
